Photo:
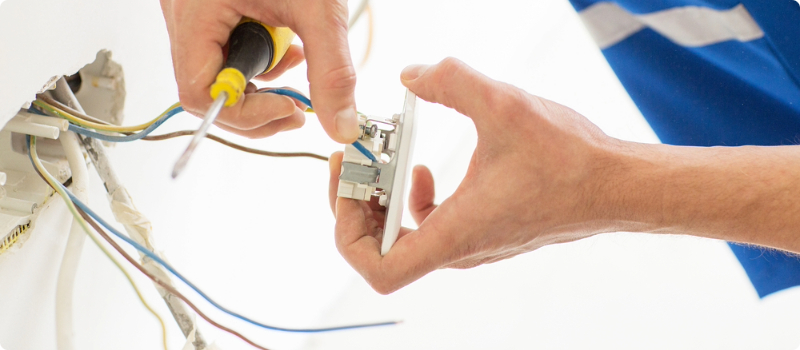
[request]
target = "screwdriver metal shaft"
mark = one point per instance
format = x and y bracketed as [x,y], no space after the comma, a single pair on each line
[200,134]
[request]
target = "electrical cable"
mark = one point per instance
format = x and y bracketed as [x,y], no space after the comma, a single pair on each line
[99,126]
[169,113]
[175,109]
[187,133]
[191,285]
[357,14]
[40,170]
[77,203]
[70,110]
[68,268]
[234,145]
[370,35]
[306,101]
[290,93]
[364,7]
[164,285]
[64,193]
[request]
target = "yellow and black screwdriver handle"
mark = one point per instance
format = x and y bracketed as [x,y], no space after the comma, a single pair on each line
[253,49]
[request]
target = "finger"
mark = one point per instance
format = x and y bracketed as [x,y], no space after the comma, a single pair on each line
[296,102]
[293,121]
[415,254]
[355,243]
[454,84]
[420,200]
[330,70]
[293,57]
[256,110]
[197,51]
[335,166]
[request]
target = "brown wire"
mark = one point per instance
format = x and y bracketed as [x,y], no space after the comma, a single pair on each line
[164,285]
[235,146]
[175,134]
[155,279]
[73,111]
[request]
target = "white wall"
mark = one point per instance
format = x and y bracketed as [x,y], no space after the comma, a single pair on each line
[256,233]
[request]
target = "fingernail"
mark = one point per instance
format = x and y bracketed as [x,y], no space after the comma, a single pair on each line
[347,124]
[413,71]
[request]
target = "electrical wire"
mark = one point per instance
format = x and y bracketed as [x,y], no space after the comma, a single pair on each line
[234,145]
[70,110]
[85,218]
[357,14]
[290,93]
[370,35]
[175,134]
[191,285]
[169,113]
[161,283]
[364,7]
[65,283]
[77,203]
[64,193]
[306,101]
[99,126]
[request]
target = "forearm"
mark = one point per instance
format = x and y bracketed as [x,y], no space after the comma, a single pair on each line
[741,194]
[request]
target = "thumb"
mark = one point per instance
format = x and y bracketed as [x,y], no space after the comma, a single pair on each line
[454,84]
[330,70]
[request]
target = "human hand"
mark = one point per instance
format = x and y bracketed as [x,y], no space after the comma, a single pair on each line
[199,30]
[532,181]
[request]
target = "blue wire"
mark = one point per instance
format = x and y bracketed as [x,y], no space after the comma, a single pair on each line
[364,151]
[139,135]
[293,94]
[191,285]
[127,138]
[306,101]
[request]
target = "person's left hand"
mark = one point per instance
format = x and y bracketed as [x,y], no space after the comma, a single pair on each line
[535,179]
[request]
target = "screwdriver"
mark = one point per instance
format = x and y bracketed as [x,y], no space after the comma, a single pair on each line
[253,49]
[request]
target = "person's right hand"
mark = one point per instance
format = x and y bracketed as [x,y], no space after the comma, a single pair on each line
[537,177]
[199,30]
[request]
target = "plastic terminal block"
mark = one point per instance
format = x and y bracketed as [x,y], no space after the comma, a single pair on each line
[9,240]
[361,178]
[22,192]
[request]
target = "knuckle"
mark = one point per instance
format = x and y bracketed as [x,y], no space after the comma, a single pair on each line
[343,77]
[507,100]
[297,122]
[336,14]
[447,69]
[444,75]
[452,63]
[383,287]
[189,101]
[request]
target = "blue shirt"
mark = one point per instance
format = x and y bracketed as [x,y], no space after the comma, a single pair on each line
[708,73]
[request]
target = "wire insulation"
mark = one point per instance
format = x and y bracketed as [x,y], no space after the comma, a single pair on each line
[235,145]
[73,202]
[306,101]
[99,126]
[77,124]
[163,284]
[191,285]
[64,193]
[127,138]
[84,218]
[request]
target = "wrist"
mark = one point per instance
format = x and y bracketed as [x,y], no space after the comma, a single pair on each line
[628,187]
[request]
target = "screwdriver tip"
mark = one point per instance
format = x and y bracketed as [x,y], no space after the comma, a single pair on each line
[180,165]
[211,115]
